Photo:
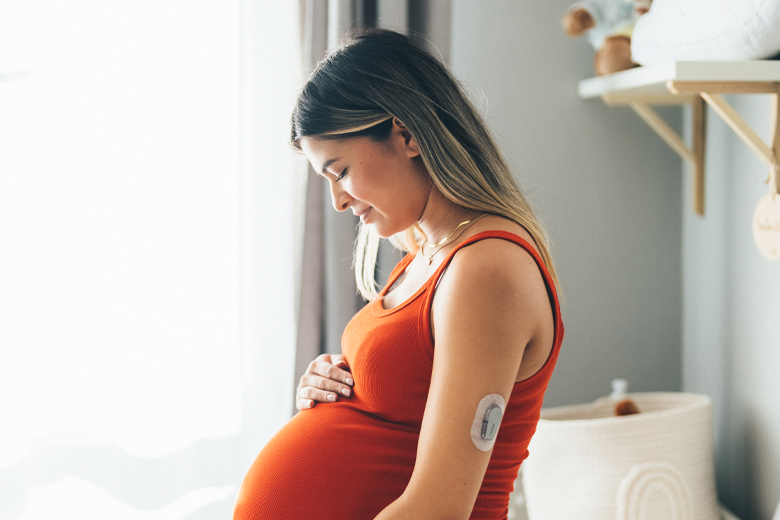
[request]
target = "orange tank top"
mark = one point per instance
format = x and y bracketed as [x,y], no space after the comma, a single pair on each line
[352,458]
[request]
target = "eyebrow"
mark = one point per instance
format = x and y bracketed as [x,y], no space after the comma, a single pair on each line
[328,163]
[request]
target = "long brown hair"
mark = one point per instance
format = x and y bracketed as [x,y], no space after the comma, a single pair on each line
[377,74]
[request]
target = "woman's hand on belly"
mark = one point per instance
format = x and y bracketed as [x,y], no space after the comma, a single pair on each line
[326,379]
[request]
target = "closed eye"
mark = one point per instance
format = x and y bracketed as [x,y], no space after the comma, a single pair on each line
[341,175]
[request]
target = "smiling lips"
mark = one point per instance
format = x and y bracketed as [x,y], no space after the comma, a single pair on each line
[364,216]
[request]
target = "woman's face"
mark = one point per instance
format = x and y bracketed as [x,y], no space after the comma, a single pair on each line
[385,184]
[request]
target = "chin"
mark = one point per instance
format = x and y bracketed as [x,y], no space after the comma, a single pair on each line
[386,231]
[386,228]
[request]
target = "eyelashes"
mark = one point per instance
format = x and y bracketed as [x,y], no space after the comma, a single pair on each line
[342,174]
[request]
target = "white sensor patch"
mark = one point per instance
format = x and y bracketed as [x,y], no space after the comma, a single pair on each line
[484,429]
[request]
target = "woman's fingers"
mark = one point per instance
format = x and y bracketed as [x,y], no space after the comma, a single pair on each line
[304,404]
[326,379]
[339,360]
[317,394]
[323,366]
[324,384]
[308,396]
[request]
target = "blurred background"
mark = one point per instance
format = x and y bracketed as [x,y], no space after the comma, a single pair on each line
[168,266]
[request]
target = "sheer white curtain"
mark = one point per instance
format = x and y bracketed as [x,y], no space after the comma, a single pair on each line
[148,224]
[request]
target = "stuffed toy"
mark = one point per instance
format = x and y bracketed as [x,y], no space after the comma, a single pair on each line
[626,407]
[609,24]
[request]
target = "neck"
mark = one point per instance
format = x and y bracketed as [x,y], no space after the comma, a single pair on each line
[441,216]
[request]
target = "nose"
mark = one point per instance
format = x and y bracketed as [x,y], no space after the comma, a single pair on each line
[341,199]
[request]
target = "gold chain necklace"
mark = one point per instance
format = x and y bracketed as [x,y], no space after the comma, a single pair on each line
[440,245]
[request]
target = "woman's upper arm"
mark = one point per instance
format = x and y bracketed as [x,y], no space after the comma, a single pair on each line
[486,310]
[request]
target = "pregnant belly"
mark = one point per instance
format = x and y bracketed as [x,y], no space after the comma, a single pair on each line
[332,461]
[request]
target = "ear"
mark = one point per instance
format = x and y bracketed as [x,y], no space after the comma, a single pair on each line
[406,138]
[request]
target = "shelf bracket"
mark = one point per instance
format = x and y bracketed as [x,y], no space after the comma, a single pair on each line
[699,119]
[740,127]
[695,153]
[698,84]
[711,93]
[774,171]
[663,130]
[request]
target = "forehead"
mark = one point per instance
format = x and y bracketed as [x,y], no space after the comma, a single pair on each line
[321,152]
[318,148]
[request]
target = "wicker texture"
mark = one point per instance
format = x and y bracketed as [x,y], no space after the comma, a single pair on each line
[586,464]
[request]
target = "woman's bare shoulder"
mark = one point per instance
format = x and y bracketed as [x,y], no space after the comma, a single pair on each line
[499,223]
[498,253]
[493,296]
[495,279]
[496,269]
[496,265]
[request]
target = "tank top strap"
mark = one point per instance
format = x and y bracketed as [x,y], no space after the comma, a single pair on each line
[425,316]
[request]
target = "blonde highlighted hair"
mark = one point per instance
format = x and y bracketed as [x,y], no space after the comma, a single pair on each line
[379,74]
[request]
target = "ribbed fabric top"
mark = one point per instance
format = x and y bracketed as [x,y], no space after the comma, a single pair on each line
[350,459]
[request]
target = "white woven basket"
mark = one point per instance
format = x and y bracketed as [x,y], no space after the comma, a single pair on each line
[586,464]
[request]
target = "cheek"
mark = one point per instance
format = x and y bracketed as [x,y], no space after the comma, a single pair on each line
[368,186]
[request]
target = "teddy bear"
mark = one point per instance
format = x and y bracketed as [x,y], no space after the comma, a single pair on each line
[609,24]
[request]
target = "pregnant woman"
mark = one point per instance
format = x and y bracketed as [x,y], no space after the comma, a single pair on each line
[429,411]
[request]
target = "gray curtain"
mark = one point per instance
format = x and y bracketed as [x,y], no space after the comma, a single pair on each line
[328,297]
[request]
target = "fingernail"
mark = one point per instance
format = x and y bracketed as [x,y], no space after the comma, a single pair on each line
[309,404]
[331,397]
[350,382]
[345,391]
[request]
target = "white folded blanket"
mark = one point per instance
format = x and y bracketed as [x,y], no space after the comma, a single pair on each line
[680,30]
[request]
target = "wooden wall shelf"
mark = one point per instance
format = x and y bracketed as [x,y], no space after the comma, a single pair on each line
[696,83]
